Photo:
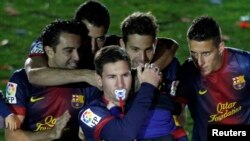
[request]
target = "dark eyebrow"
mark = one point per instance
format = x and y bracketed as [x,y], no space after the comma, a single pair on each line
[69,48]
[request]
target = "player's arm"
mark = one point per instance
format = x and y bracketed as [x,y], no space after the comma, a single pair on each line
[5,110]
[48,135]
[165,52]
[105,127]
[40,74]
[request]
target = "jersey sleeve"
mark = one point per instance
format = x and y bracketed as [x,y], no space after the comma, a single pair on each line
[92,116]
[170,74]
[184,87]
[244,56]
[17,92]
[36,49]
[4,109]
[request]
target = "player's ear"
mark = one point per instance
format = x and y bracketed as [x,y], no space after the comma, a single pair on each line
[122,44]
[49,51]
[221,47]
[155,41]
[98,79]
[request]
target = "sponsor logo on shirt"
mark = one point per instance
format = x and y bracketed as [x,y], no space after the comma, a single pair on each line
[77,101]
[11,92]
[48,123]
[89,118]
[224,110]
[239,82]
[33,99]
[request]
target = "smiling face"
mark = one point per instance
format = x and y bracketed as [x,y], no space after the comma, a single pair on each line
[207,57]
[65,54]
[115,76]
[141,49]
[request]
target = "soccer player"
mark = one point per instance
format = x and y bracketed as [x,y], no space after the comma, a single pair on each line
[139,39]
[96,17]
[41,109]
[101,119]
[214,80]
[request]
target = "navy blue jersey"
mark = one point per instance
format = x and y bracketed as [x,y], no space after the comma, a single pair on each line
[97,122]
[41,106]
[160,120]
[4,109]
[222,97]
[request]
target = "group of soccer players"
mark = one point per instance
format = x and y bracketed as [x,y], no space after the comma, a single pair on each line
[134,87]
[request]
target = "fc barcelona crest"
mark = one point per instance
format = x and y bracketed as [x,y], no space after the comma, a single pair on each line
[77,101]
[239,82]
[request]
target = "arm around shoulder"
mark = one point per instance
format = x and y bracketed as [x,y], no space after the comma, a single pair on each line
[40,74]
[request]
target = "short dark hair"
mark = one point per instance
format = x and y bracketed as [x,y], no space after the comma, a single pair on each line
[95,12]
[139,23]
[110,54]
[204,28]
[51,33]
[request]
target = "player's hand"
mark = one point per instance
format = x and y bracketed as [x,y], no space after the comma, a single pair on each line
[81,134]
[150,74]
[61,122]
[12,122]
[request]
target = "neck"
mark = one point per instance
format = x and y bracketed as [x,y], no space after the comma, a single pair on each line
[109,100]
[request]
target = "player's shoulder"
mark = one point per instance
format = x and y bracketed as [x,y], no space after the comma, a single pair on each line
[19,74]
[166,42]
[97,107]
[188,69]
[91,115]
[241,54]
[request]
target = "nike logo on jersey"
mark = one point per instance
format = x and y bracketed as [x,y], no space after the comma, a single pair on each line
[202,92]
[32,99]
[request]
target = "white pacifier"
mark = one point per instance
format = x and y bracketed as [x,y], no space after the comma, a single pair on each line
[120,94]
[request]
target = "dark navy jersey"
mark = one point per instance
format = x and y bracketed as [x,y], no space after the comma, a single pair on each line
[97,122]
[160,120]
[4,109]
[222,97]
[41,106]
